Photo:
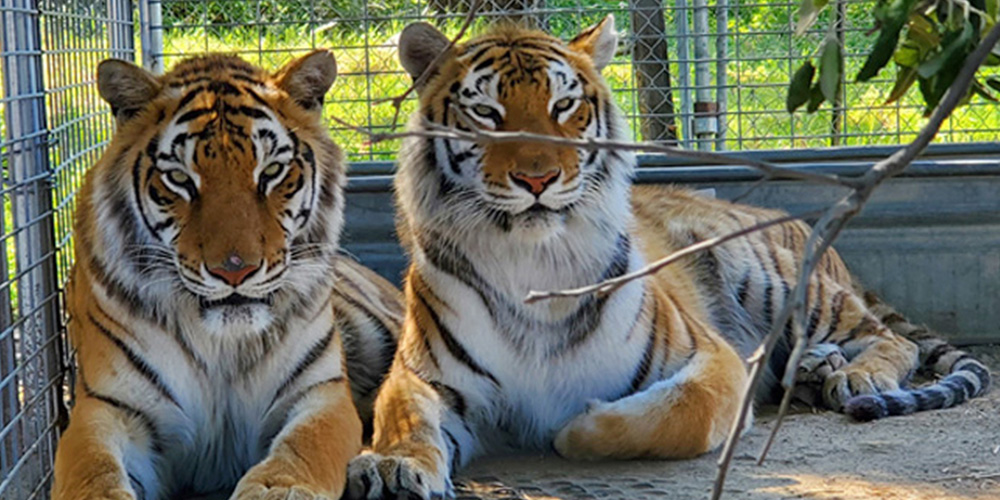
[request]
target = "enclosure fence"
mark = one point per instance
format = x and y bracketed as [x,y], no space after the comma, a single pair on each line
[53,129]
[707,76]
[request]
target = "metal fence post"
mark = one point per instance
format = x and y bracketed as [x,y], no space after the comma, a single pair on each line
[681,25]
[705,109]
[35,330]
[151,34]
[721,71]
[652,71]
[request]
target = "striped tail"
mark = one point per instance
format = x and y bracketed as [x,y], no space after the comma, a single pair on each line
[962,376]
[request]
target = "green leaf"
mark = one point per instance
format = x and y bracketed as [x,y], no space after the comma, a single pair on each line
[815,99]
[904,80]
[978,88]
[892,17]
[954,43]
[907,55]
[808,12]
[830,69]
[798,89]
[926,87]
[994,82]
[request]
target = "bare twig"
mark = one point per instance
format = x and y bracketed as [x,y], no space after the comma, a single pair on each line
[959,477]
[826,230]
[753,187]
[433,130]
[397,102]
[613,284]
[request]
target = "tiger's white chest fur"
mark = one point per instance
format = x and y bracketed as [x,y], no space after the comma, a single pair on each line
[222,400]
[548,359]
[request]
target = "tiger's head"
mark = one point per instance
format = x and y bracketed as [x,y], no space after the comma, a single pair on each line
[221,191]
[514,80]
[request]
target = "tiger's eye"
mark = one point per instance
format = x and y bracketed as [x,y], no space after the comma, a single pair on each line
[178,177]
[482,110]
[272,170]
[563,104]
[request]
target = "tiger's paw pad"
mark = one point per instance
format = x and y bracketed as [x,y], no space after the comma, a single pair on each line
[851,381]
[371,476]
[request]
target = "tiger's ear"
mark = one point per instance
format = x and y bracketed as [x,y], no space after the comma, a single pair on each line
[600,42]
[126,87]
[419,45]
[308,78]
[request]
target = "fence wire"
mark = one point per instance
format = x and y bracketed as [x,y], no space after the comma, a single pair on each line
[709,75]
[52,128]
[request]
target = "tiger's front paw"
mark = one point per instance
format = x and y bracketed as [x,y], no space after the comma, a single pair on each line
[271,481]
[853,380]
[586,437]
[371,476]
[816,366]
[259,491]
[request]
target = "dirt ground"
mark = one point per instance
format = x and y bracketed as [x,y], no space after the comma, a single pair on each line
[941,455]
[947,454]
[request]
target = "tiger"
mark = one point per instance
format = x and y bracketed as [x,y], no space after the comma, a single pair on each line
[213,318]
[653,369]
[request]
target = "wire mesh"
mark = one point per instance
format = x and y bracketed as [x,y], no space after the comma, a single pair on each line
[53,128]
[681,74]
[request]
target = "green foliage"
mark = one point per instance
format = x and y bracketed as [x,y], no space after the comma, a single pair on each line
[927,41]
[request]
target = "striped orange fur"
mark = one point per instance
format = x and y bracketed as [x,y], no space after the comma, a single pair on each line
[214,323]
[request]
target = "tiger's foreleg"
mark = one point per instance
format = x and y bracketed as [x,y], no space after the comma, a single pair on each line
[880,359]
[90,460]
[308,458]
[685,415]
[418,440]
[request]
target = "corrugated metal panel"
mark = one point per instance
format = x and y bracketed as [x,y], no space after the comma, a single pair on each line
[928,242]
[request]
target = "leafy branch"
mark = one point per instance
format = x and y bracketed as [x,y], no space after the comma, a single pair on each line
[926,39]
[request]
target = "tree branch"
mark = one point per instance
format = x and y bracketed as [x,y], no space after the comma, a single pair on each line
[613,284]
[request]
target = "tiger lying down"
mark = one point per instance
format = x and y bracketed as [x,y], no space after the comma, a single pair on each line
[654,369]
[210,310]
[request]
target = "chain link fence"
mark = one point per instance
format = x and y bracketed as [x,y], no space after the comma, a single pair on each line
[708,76]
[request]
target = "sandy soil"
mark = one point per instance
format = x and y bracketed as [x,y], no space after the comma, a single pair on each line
[947,454]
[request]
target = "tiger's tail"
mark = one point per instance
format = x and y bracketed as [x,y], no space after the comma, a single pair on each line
[962,377]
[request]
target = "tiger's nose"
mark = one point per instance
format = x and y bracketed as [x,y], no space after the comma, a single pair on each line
[234,270]
[535,184]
